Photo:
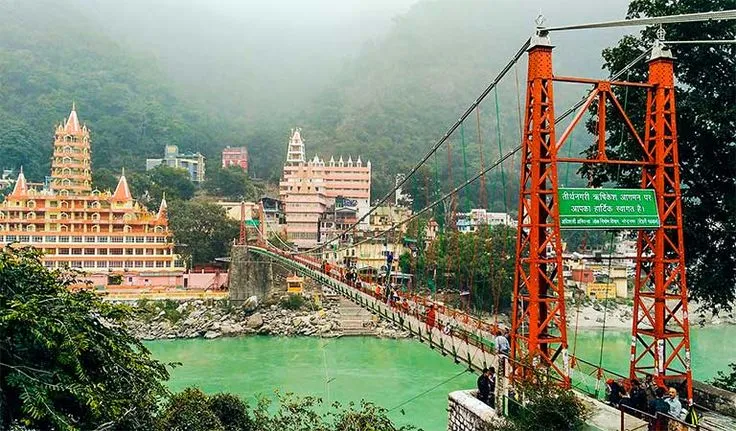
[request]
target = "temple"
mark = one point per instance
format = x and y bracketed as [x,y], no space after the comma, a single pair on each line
[309,187]
[108,235]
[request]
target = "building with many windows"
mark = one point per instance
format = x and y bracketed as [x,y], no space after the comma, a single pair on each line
[309,187]
[192,162]
[75,225]
[235,156]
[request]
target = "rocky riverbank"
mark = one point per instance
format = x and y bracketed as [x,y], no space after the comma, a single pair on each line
[191,319]
[617,314]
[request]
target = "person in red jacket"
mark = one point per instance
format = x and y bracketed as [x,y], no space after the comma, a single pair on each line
[431,316]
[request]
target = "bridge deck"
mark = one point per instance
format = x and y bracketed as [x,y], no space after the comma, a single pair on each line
[460,350]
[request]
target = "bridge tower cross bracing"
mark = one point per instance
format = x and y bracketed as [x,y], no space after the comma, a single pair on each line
[661,331]
[539,332]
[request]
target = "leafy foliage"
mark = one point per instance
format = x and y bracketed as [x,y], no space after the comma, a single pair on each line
[150,186]
[726,381]
[202,229]
[231,183]
[293,302]
[189,410]
[480,262]
[539,400]
[66,360]
[706,91]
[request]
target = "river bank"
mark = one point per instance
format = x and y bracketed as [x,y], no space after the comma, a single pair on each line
[168,319]
[617,314]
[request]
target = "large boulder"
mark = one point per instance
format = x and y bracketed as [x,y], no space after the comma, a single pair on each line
[211,334]
[255,321]
[251,303]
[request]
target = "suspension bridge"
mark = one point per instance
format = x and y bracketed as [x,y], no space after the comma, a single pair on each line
[660,346]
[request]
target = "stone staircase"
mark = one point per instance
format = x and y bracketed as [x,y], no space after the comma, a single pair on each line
[355,320]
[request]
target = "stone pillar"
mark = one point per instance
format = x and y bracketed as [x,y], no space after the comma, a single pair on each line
[467,413]
[250,275]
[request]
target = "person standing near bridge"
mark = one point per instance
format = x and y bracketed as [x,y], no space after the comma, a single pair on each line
[484,386]
[502,344]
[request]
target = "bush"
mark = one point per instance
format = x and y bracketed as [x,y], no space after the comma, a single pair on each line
[189,410]
[726,381]
[293,302]
[232,412]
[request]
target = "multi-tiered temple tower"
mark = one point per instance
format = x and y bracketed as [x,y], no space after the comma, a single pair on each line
[100,232]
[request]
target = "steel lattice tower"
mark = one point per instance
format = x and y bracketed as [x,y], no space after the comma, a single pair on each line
[661,331]
[538,327]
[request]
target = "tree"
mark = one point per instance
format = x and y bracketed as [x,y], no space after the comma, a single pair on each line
[189,410]
[230,183]
[726,381]
[203,229]
[705,96]
[538,398]
[66,359]
[150,186]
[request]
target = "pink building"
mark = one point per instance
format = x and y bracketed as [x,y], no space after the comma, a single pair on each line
[237,156]
[309,187]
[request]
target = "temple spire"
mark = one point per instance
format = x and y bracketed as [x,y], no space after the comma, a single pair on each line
[72,123]
[122,191]
[21,186]
[162,209]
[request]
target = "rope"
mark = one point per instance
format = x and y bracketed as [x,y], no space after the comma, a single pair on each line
[483,192]
[500,149]
[427,391]
[465,165]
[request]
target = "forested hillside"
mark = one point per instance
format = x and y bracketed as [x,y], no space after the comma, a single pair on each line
[51,56]
[146,75]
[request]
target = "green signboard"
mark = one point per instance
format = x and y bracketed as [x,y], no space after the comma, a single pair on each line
[607,208]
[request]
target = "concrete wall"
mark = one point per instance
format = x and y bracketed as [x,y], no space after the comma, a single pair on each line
[716,399]
[467,413]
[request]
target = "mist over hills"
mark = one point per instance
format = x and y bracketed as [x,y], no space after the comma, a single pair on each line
[382,79]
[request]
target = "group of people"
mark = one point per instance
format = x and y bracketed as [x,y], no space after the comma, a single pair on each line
[646,397]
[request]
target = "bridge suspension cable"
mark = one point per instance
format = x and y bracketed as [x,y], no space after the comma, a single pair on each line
[723,15]
[471,180]
[434,148]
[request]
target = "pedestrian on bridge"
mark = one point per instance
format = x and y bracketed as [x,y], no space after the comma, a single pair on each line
[484,386]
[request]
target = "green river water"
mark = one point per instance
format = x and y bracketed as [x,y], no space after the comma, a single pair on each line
[387,372]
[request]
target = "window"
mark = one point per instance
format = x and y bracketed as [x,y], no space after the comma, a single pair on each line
[11,238]
[101,264]
[116,251]
[89,264]
[95,204]
[138,264]
[31,215]
[24,238]
[37,239]
[76,264]
[90,251]
[96,229]
[150,239]
[31,228]
[129,239]
[138,251]
[159,264]
[129,251]
[102,251]
[116,239]
[102,239]
[31,204]
[161,240]
[116,264]
[95,216]
[50,239]
[139,239]
[63,251]
[149,264]
[89,239]
[76,239]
